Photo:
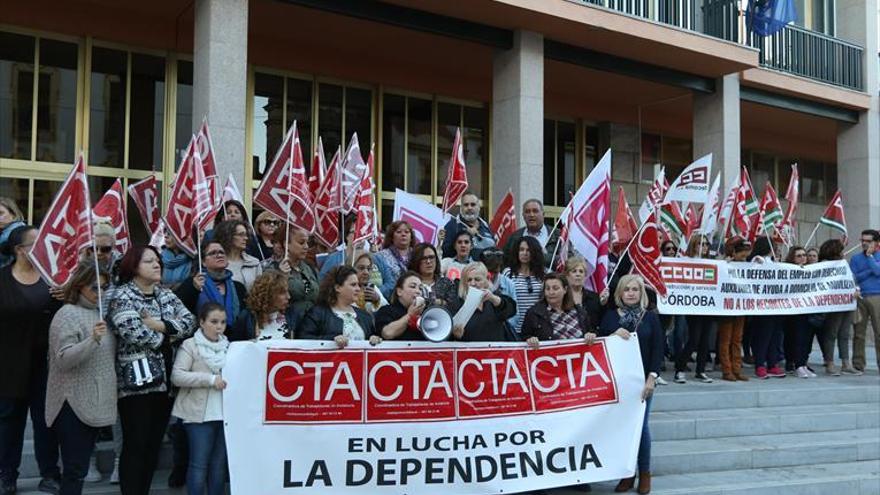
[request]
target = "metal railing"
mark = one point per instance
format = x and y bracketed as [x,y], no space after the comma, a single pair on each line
[793,49]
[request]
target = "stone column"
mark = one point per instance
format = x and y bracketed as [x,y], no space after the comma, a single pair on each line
[858,145]
[717,129]
[518,119]
[220,81]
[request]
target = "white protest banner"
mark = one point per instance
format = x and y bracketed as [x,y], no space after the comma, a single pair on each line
[719,288]
[426,219]
[306,417]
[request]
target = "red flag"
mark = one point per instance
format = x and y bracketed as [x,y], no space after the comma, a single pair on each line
[319,169]
[365,207]
[834,215]
[352,169]
[692,220]
[203,203]
[145,194]
[285,185]
[66,229]
[111,208]
[157,240]
[181,216]
[327,205]
[644,253]
[625,225]
[456,175]
[745,209]
[504,221]
[789,222]
[590,227]
[205,149]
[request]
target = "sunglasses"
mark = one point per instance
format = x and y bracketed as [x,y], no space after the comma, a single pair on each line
[105,249]
[273,223]
[216,252]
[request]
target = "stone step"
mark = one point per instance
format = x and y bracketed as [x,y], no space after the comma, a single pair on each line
[845,478]
[103,451]
[776,392]
[719,423]
[28,486]
[764,451]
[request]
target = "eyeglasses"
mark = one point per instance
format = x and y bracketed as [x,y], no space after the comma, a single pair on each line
[94,287]
[105,249]
[216,252]
[428,258]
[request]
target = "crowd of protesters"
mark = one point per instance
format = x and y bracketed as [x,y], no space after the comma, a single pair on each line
[155,356]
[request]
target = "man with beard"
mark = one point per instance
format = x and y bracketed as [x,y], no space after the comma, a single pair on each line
[468,219]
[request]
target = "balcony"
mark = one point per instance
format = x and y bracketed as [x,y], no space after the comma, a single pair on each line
[793,50]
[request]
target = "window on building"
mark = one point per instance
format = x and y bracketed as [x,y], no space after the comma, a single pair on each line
[147,121]
[816,15]
[560,162]
[673,153]
[184,107]
[54,100]
[818,180]
[267,128]
[473,123]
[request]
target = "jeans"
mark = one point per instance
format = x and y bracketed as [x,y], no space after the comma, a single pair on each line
[77,441]
[699,328]
[766,340]
[144,420]
[838,327]
[644,457]
[207,458]
[13,418]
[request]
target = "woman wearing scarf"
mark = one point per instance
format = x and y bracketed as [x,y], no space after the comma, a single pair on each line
[198,372]
[214,285]
[631,317]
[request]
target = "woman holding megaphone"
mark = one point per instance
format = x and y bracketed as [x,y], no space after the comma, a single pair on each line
[400,319]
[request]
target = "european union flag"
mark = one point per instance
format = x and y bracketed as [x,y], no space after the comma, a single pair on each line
[766,17]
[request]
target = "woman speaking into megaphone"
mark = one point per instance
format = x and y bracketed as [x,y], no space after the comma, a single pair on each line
[399,320]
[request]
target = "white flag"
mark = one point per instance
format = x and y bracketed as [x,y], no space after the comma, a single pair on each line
[654,197]
[711,208]
[230,191]
[692,184]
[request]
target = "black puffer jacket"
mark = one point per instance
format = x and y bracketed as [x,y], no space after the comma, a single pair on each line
[537,322]
[320,323]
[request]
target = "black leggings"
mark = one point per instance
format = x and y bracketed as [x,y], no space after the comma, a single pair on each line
[699,328]
[144,420]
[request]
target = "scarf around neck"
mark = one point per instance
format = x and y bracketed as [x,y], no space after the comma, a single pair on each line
[214,353]
[631,317]
[210,293]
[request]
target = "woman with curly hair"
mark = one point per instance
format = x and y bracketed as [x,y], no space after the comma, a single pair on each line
[526,272]
[269,314]
[233,236]
[394,257]
[335,316]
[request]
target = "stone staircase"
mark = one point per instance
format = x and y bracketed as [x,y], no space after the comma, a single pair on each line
[775,437]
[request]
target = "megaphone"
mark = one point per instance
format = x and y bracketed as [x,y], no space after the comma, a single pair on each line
[435,323]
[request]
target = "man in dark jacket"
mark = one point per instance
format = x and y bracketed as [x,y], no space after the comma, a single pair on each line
[533,216]
[468,219]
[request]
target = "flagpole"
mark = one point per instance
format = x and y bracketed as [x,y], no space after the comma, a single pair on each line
[635,236]
[97,267]
[553,258]
[810,239]
[339,190]
[850,250]
[289,201]
[199,241]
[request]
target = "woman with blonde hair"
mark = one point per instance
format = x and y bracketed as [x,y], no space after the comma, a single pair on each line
[576,275]
[260,246]
[269,314]
[371,298]
[632,316]
[488,323]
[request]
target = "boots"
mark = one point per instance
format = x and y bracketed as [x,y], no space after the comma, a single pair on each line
[625,484]
[644,482]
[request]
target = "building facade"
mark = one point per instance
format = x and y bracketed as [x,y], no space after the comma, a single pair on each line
[540,89]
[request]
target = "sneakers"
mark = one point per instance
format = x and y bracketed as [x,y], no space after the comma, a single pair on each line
[703,378]
[93,476]
[850,371]
[802,372]
[776,372]
[661,381]
[831,370]
[679,377]
[49,485]
[114,478]
[810,372]
[761,373]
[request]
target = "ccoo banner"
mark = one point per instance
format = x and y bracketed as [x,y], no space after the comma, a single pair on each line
[403,418]
[711,287]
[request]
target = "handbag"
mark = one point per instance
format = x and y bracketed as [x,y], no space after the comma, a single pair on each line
[141,371]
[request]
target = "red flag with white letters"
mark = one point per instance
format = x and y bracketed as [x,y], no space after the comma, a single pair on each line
[145,194]
[180,218]
[352,168]
[365,206]
[327,205]
[284,190]
[205,149]
[644,253]
[111,209]
[625,225]
[66,229]
[319,169]
[504,221]
[456,175]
